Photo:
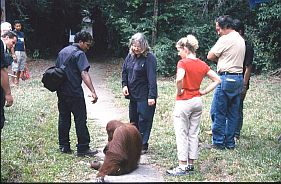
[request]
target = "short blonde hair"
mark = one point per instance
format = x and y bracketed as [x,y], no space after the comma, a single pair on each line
[190,42]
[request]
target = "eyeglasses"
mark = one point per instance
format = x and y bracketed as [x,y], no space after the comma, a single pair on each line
[137,46]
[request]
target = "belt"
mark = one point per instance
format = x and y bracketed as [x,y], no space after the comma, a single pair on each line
[227,73]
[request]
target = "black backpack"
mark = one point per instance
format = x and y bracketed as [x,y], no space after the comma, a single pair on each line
[54,76]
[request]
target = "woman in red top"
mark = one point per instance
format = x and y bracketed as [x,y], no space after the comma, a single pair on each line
[188,106]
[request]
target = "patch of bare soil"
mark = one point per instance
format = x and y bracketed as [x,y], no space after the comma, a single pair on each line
[37,67]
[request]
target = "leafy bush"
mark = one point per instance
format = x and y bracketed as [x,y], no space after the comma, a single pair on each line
[267,36]
[166,55]
[119,20]
[205,35]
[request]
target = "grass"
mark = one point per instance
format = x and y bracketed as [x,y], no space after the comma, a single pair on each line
[29,148]
[257,157]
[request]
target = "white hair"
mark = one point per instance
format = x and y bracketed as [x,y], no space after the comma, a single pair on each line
[5,26]
[141,39]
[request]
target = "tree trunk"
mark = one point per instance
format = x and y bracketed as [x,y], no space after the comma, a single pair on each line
[3,14]
[155,16]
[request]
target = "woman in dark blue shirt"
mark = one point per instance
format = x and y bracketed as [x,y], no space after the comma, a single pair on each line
[140,85]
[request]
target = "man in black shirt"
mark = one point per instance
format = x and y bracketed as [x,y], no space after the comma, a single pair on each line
[247,68]
[71,95]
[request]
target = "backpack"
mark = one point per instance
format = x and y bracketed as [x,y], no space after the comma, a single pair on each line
[54,76]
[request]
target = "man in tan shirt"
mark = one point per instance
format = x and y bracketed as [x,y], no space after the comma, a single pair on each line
[228,53]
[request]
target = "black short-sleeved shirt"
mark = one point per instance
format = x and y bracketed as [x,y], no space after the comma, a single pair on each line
[78,63]
[249,56]
[139,75]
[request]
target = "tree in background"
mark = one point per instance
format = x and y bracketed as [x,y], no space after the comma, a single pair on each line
[266,36]
[47,24]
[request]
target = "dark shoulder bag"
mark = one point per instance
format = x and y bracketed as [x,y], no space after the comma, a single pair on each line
[54,76]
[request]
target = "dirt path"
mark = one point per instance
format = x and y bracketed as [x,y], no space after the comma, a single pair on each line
[105,110]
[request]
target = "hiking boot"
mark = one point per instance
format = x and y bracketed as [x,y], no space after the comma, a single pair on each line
[177,172]
[88,152]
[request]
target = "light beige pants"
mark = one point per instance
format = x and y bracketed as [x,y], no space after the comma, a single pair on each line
[187,115]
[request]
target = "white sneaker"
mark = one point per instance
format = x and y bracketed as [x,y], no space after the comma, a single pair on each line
[177,172]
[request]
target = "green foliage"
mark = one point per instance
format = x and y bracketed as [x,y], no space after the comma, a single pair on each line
[176,20]
[49,21]
[268,36]
[46,23]
[205,35]
[166,55]
[36,54]
[125,18]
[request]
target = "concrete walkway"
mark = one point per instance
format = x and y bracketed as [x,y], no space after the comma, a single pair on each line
[105,110]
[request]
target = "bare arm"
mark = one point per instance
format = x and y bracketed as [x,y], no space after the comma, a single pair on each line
[13,54]
[247,74]
[179,81]
[211,56]
[6,87]
[216,81]
[88,81]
